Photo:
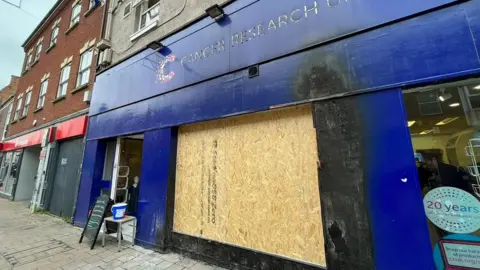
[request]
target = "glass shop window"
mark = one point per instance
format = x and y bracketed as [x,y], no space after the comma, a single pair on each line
[444,124]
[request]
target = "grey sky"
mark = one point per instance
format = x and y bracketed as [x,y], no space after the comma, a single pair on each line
[15,26]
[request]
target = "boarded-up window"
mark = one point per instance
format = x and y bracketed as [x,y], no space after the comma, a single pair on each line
[252,181]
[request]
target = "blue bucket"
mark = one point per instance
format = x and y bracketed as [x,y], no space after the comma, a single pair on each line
[119,210]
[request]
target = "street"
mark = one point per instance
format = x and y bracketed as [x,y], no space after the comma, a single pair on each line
[41,241]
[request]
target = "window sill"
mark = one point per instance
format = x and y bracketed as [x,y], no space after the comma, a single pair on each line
[25,71]
[80,88]
[38,110]
[35,62]
[58,99]
[50,48]
[90,11]
[144,30]
[21,118]
[71,28]
[13,122]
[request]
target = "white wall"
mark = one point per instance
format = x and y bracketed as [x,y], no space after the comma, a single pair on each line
[173,14]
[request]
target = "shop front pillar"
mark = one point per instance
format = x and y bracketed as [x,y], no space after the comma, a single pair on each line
[156,195]
[90,181]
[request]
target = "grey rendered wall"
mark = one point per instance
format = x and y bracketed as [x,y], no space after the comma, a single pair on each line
[173,14]
[28,170]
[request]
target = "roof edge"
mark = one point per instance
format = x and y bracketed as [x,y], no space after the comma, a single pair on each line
[42,22]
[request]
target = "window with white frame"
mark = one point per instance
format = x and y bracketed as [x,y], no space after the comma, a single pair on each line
[17,110]
[92,3]
[76,13]
[84,67]
[7,121]
[29,60]
[41,94]
[63,84]
[28,98]
[147,13]
[38,51]
[127,9]
[54,37]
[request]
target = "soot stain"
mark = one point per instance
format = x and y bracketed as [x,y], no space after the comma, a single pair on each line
[321,74]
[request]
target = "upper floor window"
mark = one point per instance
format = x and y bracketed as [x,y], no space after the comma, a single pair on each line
[54,37]
[63,84]
[92,3]
[76,13]
[127,9]
[84,68]
[41,95]
[29,60]
[7,121]
[28,98]
[38,51]
[146,13]
[17,110]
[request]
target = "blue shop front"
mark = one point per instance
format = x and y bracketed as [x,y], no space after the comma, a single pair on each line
[306,134]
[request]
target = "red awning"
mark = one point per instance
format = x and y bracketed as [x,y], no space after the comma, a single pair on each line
[72,128]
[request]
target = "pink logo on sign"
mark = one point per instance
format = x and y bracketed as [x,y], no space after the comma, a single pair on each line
[162,77]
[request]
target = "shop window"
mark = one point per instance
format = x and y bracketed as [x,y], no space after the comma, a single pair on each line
[38,51]
[63,83]
[42,93]
[76,13]
[28,98]
[54,37]
[84,68]
[17,110]
[446,143]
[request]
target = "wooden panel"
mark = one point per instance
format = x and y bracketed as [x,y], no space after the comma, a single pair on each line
[252,181]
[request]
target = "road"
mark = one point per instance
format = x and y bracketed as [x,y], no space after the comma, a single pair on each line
[41,241]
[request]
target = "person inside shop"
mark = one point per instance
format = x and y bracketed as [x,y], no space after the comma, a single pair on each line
[449,175]
[424,175]
[133,192]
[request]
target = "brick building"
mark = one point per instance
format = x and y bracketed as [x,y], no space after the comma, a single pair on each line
[45,137]
[7,91]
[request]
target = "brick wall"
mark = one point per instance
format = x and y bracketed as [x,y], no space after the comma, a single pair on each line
[9,90]
[50,62]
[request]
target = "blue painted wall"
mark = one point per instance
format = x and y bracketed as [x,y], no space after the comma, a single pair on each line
[408,52]
[90,181]
[159,147]
[400,234]
[440,45]
[284,28]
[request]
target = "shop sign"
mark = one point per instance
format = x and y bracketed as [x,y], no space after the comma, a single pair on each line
[453,210]
[31,139]
[457,251]
[72,128]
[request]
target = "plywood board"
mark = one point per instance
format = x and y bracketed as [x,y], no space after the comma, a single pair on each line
[252,181]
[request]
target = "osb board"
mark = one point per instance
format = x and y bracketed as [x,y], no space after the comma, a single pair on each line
[252,181]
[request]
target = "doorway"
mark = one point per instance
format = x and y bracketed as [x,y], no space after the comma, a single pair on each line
[444,125]
[66,179]
[9,171]
[27,174]
[125,171]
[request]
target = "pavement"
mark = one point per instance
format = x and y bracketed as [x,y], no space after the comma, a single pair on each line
[42,241]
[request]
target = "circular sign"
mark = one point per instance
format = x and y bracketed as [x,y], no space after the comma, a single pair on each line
[452,210]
